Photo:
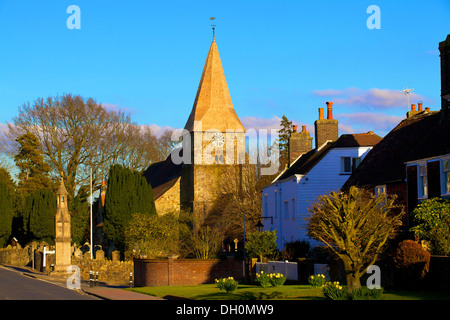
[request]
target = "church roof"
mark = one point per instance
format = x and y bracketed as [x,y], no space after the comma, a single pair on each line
[163,175]
[212,105]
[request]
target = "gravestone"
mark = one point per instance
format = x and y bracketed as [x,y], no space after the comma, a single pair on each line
[99,255]
[115,256]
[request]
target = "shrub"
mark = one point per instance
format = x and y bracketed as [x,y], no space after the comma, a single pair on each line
[277,279]
[261,244]
[412,262]
[317,280]
[432,223]
[334,291]
[227,284]
[263,279]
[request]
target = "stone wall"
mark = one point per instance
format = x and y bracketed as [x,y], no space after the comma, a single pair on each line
[15,256]
[109,272]
[170,200]
[171,272]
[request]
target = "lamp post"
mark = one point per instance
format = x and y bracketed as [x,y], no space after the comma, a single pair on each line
[259,226]
[245,256]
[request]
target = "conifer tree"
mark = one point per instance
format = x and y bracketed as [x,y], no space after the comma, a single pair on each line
[284,134]
[39,215]
[128,193]
[34,172]
[6,214]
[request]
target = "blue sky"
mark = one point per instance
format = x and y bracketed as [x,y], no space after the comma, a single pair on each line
[279,57]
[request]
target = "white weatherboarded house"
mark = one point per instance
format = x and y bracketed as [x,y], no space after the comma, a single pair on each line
[313,173]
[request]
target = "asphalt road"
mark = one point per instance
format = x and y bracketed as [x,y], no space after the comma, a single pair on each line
[16,286]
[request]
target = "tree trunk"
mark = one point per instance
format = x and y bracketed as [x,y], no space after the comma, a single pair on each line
[353,282]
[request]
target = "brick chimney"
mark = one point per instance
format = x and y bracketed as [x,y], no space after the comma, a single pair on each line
[299,143]
[329,110]
[326,129]
[413,111]
[444,49]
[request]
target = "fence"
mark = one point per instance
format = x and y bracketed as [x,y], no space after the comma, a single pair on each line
[289,269]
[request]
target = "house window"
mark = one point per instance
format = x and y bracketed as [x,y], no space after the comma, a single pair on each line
[349,164]
[286,209]
[276,205]
[423,181]
[265,212]
[293,209]
[380,189]
[446,175]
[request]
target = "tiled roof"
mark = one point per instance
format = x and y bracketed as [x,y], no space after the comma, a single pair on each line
[213,105]
[308,160]
[163,175]
[418,137]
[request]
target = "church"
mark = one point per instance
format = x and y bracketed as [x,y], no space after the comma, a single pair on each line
[213,149]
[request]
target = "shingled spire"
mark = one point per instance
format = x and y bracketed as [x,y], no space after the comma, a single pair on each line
[212,105]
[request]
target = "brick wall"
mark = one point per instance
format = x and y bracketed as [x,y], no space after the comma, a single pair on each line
[164,272]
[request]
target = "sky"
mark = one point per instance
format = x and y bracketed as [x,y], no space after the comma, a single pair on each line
[279,57]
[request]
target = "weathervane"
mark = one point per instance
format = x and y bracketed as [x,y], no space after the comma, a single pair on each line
[213,26]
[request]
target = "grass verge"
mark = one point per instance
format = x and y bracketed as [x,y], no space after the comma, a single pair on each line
[254,292]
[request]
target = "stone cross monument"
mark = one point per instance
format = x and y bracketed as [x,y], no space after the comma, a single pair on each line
[62,232]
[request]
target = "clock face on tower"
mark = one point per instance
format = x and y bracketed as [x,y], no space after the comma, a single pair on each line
[218,139]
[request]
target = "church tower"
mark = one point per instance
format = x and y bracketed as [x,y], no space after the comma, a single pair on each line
[62,233]
[217,140]
[212,160]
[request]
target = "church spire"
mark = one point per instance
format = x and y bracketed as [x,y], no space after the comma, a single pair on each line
[213,105]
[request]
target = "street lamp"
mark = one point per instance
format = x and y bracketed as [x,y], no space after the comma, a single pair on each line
[259,226]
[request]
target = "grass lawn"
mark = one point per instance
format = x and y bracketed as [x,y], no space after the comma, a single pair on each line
[286,292]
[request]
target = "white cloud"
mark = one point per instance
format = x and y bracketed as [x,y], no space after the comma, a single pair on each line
[261,123]
[360,122]
[372,98]
[158,130]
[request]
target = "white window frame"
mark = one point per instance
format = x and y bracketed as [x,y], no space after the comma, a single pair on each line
[380,189]
[293,209]
[343,171]
[445,169]
[422,182]
[266,205]
[286,210]
[276,205]
[354,163]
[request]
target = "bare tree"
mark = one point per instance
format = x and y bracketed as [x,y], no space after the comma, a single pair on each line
[241,199]
[78,134]
[355,226]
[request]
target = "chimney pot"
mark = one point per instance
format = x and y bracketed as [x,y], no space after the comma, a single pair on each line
[321,117]
[420,106]
[413,107]
[303,128]
[295,128]
[329,110]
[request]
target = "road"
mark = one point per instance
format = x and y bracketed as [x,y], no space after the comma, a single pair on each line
[16,286]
